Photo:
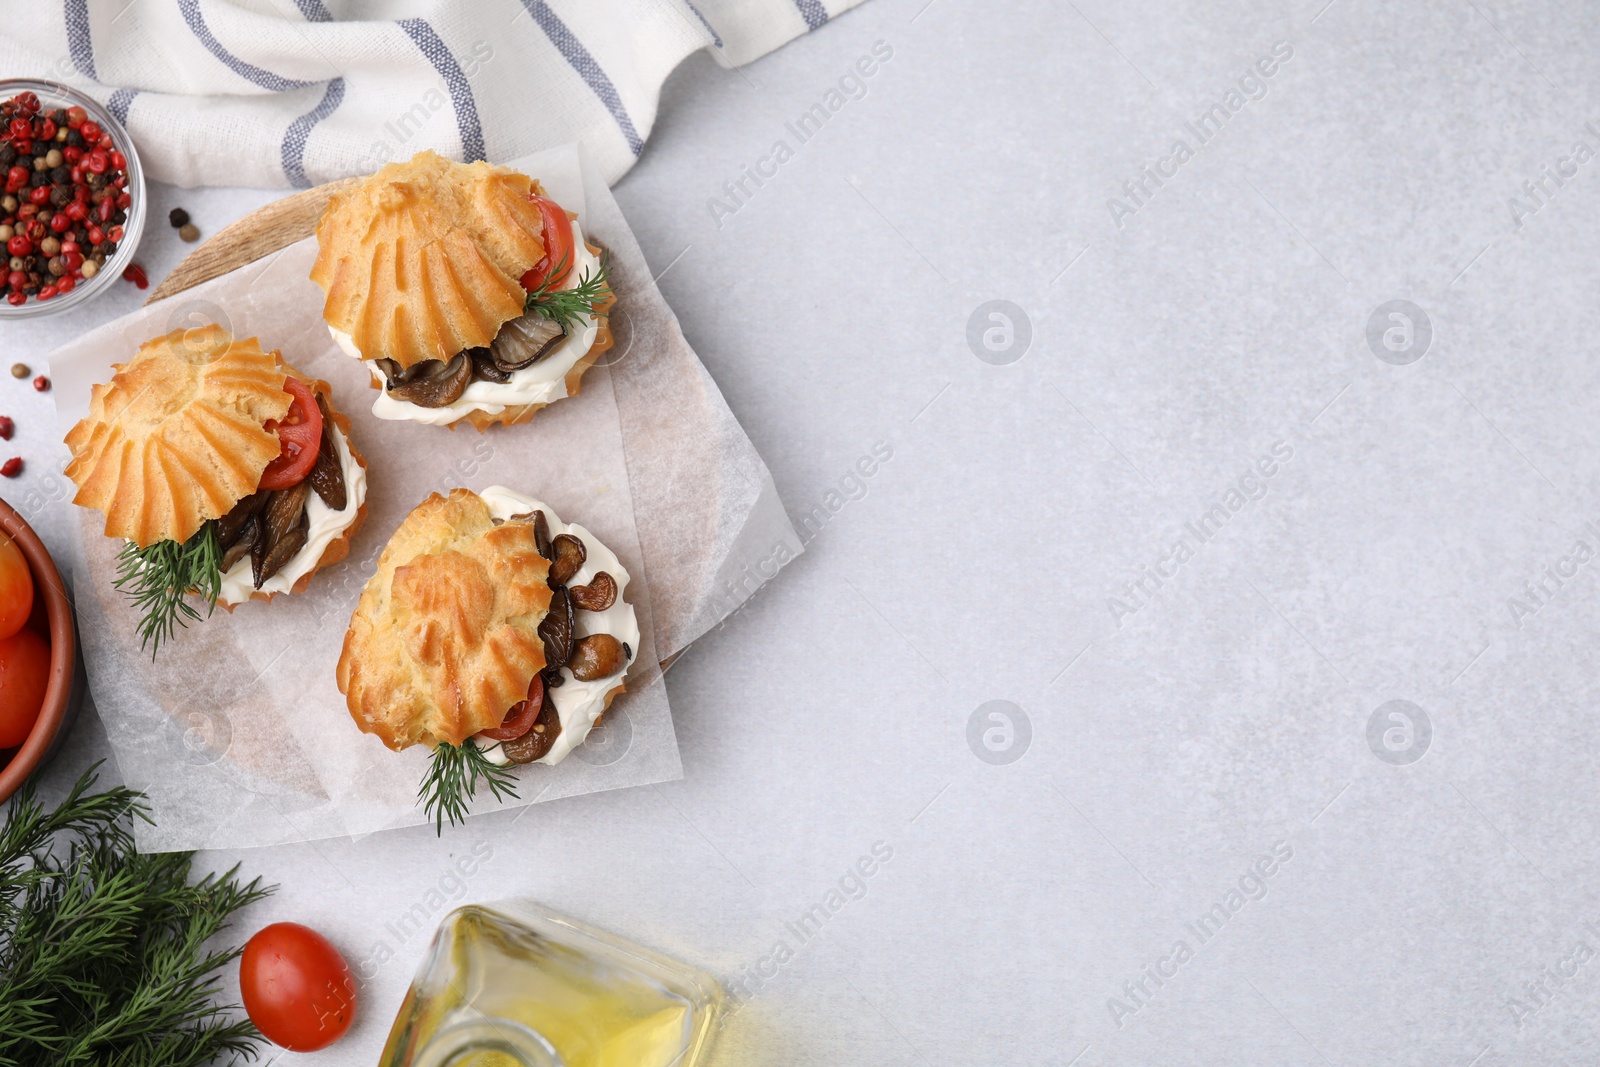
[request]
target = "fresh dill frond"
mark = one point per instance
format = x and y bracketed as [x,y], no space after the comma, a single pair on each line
[454,772]
[105,953]
[566,307]
[159,578]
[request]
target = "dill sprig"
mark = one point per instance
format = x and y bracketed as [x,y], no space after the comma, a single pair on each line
[454,772]
[104,953]
[565,307]
[160,577]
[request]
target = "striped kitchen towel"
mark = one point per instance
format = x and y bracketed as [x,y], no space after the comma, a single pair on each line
[268,92]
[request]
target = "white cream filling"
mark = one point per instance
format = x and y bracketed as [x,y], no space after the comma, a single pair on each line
[325,525]
[541,383]
[578,704]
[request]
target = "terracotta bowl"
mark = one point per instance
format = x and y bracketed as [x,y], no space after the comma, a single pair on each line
[52,605]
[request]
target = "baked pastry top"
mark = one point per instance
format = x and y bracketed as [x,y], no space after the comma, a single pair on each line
[445,637]
[178,435]
[425,258]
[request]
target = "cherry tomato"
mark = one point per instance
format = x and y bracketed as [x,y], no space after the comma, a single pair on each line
[16,588]
[557,246]
[297,989]
[520,719]
[300,434]
[24,676]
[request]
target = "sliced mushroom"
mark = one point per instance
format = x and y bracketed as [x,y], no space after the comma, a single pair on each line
[524,341]
[242,544]
[596,656]
[394,374]
[327,477]
[569,558]
[598,595]
[438,385]
[282,551]
[281,521]
[539,739]
[556,630]
[541,534]
[483,367]
[230,527]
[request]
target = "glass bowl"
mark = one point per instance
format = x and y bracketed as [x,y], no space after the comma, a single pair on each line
[53,95]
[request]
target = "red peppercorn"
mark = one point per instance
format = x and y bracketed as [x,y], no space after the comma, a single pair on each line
[18,173]
[44,294]
[59,222]
[28,102]
[66,284]
[97,162]
[39,195]
[118,160]
[7,427]
[47,130]
[90,131]
[72,153]
[73,259]
[76,116]
[115,233]
[105,141]
[107,207]
[19,245]
[16,297]
[135,274]
[96,236]
[20,128]
[124,200]
[11,467]
[76,211]
[41,383]
[24,145]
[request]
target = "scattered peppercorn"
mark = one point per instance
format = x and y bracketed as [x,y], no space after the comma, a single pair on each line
[178,217]
[135,274]
[19,370]
[7,427]
[42,384]
[11,467]
[189,233]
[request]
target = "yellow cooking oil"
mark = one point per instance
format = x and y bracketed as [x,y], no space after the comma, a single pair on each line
[515,985]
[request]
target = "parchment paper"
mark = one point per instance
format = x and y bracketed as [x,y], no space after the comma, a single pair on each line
[237,731]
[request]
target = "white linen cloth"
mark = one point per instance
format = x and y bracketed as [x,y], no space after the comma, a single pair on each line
[297,92]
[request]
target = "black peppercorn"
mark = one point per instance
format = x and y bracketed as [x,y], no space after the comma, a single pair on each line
[61,174]
[74,139]
[178,217]
[38,178]
[8,155]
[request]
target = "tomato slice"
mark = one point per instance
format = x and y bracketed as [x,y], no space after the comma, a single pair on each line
[16,588]
[300,436]
[296,987]
[523,714]
[557,247]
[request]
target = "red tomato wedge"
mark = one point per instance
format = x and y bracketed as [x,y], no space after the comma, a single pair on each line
[557,247]
[297,989]
[24,677]
[300,435]
[523,714]
[16,588]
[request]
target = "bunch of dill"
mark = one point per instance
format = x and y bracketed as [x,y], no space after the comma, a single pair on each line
[104,954]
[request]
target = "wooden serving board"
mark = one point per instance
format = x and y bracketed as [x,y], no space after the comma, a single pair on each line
[260,233]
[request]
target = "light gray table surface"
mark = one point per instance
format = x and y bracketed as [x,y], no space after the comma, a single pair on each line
[1190,732]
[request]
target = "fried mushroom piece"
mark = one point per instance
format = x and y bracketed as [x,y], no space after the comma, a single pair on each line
[557,630]
[598,595]
[569,557]
[281,531]
[596,656]
[434,383]
[327,476]
[538,741]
